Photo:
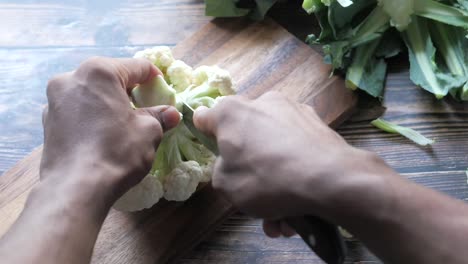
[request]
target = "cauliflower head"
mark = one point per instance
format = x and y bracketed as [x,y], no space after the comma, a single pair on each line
[214,77]
[181,162]
[180,75]
[160,56]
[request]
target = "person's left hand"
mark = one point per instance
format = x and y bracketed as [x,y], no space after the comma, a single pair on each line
[92,136]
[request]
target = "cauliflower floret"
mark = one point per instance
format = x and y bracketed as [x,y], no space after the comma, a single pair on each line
[214,77]
[143,195]
[207,169]
[161,56]
[180,75]
[182,182]
[200,75]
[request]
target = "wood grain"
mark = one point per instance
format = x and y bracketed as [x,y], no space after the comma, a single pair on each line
[261,57]
[54,23]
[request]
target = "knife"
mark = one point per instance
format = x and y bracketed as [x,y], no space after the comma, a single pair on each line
[322,237]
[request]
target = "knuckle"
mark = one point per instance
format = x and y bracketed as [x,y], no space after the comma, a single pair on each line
[56,84]
[94,62]
[99,67]
[228,107]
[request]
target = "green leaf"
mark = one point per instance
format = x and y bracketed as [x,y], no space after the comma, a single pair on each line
[453,46]
[366,72]
[312,6]
[424,71]
[326,33]
[262,8]
[340,18]
[391,45]
[404,131]
[400,12]
[464,93]
[373,27]
[224,8]
[440,12]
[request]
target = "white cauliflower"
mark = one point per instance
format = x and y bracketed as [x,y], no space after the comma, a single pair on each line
[144,195]
[180,75]
[160,56]
[181,161]
[214,77]
[182,181]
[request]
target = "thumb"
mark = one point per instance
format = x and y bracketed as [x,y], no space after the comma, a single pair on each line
[168,116]
[204,120]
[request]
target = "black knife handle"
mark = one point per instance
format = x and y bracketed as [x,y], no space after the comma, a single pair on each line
[322,237]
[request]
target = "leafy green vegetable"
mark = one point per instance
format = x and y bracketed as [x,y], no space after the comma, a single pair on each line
[358,36]
[435,33]
[424,71]
[366,71]
[441,12]
[453,47]
[404,131]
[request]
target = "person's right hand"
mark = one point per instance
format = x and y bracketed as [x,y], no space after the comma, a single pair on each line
[278,159]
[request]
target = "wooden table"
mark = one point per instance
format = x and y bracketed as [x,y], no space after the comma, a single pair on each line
[40,40]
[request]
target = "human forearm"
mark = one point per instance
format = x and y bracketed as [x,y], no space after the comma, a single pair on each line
[401,221]
[422,226]
[96,147]
[59,223]
[290,159]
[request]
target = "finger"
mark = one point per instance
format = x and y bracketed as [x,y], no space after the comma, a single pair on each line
[168,116]
[204,120]
[135,71]
[286,230]
[272,228]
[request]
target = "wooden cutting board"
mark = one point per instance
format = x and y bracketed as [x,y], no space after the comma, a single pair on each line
[261,57]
